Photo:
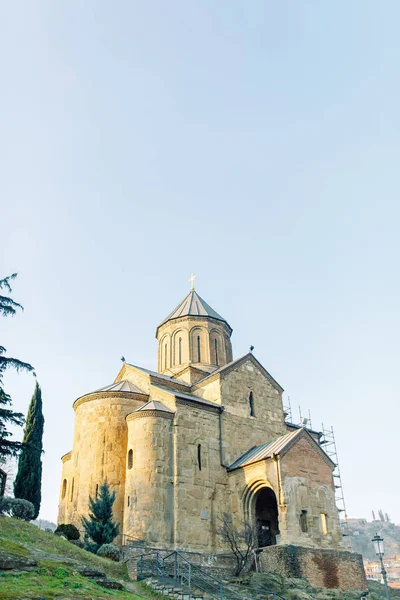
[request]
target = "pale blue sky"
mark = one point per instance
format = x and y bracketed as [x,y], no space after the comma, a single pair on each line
[253,143]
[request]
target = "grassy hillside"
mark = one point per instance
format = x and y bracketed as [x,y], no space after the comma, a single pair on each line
[55,574]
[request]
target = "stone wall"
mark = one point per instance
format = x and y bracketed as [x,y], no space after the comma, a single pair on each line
[98,453]
[308,486]
[321,567]
[241,431]
[149,510]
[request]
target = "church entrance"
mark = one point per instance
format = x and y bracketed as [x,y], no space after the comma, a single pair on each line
[266,517]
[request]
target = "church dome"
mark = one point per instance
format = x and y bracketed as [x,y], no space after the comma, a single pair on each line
[193,306]
[193,335]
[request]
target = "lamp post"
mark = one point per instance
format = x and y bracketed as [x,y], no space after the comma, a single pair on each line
[378,545]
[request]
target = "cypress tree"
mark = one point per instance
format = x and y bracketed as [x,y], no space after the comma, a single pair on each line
[8,447]
[99,526]
[28,482]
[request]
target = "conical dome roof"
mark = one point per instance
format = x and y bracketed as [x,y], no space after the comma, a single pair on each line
[193,306]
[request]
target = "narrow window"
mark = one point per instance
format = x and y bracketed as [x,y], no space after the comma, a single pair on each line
[130,459]
[324,524]
[72,488]
[97,489]
[180,351]
[165,356]
[129,501]
[199,456]
[198,349]
[64,489]
[216,352]
[303,521]
[251,405]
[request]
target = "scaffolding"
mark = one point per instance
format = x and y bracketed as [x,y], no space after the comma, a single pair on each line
[287,410]
[328,443]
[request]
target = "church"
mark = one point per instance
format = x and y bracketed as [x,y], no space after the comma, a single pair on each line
[202,437]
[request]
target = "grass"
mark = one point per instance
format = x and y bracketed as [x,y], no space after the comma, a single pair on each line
[55,575]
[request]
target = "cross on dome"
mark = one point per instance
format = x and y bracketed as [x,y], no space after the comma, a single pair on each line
[191,280]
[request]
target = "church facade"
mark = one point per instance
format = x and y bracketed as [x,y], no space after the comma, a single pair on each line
[203,437]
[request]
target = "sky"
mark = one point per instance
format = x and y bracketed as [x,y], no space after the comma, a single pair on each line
[255,144]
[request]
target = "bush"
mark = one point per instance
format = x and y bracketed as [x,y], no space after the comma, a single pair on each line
[109,551]
[68,530]
[18,508]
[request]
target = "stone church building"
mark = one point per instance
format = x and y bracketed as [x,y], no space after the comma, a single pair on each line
[203,436]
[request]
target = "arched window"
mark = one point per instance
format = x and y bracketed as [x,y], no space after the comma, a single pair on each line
[198,349]
[251,405]
[165,356]
[72,488]
[199,456]
[303,521]
[180,350]
[129,501]
[64,489]
[97,489]
[324,523]
[216,351]
[130,459]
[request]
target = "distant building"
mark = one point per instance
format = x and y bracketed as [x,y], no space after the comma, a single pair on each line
[392,567]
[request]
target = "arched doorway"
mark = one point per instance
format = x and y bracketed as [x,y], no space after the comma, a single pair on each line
[266,513]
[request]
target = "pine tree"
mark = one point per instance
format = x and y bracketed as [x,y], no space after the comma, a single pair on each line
[99,526]
[28,482]
[8,307]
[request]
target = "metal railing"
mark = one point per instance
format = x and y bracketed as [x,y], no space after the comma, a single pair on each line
[175,568]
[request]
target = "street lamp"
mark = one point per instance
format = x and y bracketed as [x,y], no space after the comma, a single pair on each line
[378,545]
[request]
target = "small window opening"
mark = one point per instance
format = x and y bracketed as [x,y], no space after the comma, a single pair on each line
[198,349]
[130,459]
[199,456]
[251,404]
[72,488]
[165,356]
[129,501]
[180,351]
[216,352]
[64,489]
[303,521]
[97,489]
[324,524]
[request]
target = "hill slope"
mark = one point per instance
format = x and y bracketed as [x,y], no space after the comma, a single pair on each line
[56,573]
[362,532]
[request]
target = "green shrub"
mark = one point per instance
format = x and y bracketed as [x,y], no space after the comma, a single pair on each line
[68,530]
[78,543]
[18,508]
[109,551]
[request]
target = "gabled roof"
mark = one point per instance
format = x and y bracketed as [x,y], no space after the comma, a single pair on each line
[235,363]
[154,405]
[159,375]
[278,446]
[121,386]
[193,306]
[190,398]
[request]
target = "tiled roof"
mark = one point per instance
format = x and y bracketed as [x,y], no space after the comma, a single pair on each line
[194,306]
[121,386]
[268,450]
[154,405]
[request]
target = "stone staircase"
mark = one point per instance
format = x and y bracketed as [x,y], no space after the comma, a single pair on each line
[170,589]
[173,576]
